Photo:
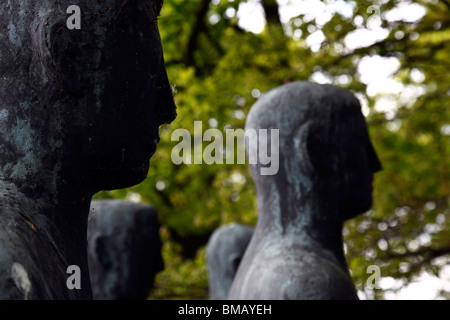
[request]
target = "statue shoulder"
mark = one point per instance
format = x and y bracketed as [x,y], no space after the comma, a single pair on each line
[14,280]
[295,274]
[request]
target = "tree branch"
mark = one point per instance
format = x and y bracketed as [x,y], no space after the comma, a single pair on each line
[427,254]
[274,25]
[447,3]
[165,198]
[271,11]
[214,42]
[198,27]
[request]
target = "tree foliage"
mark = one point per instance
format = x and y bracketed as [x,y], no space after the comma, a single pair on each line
[218,70]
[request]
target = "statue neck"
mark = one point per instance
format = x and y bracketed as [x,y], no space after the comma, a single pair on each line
[46,232]
[43,203]
[309,217]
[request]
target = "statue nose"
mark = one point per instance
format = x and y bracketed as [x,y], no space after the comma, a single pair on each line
[165,102]
[166,118]
[374,161]
[165,106]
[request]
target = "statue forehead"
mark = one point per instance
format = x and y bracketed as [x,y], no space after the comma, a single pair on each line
[21,18]
[63,3]
[25,7]
[294,103]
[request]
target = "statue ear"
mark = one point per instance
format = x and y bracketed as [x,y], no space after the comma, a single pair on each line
[315,148]
[101,251]
[44,30]
[59,49]
[234,261]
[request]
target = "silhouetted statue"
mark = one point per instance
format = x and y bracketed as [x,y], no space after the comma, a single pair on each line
[325,177]
[79,113]
[224,252]
[124,249]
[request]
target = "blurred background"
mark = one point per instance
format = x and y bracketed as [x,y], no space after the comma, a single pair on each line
[222,55]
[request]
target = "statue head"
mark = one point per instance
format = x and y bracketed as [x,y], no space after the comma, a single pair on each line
[324,145]
[87,102]
[224,253]
[124,249]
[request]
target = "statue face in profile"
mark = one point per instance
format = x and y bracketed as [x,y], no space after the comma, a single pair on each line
[119,71]
[358,164]
[324,142]
[98,93]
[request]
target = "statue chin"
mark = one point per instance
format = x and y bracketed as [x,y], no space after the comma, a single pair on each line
[358,208]
[125,176]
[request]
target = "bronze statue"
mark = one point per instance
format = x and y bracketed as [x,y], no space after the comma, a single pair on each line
[79,113]
[124,249]
[224,252]
[325,176]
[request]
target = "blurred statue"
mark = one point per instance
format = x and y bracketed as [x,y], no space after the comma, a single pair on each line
[124,249]
[224,252]
[325,177]
[79,113]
